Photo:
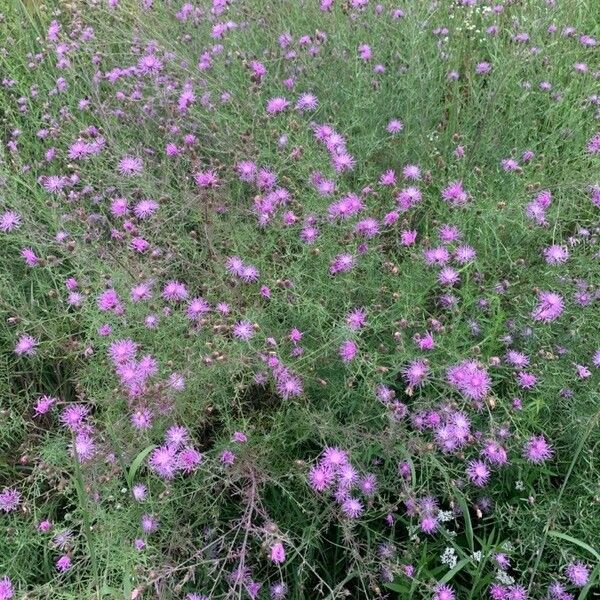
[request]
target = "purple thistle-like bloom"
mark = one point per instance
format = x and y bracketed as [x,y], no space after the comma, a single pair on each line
[83,447]
[429,524]
[176,436]
[278,591]
[352,508]
[348,350]
[188,459]
[145,208]
[9,500]
[163,461]
[443,592]
[6,589]
[577,573]
[394,126]
[130,165]
[26,345]
[73,416]
[43,405]
[455,194]
[555,254]
[122,351]
[368,484]
[516,592]
[63,563]
[307,102]
[243,330]
[550,306]
[537,450]
[342,263]
[356,318]
[9,221]
[149,523]
[470,379]
[320,478]
[206,179]
[334,458]
[174,291]
[416,372]
[277,553]
[289,387]
[277,105]
[139,492]
[478,472]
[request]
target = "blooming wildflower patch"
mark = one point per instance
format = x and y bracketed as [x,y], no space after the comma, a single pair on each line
[299,300]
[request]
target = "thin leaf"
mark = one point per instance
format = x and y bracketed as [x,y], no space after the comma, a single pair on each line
[568,538]
[450,574]
[137,461]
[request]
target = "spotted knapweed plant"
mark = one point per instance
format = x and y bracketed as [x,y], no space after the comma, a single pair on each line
[299,299]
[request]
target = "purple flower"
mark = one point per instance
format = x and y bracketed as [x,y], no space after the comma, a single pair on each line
[9,500]
[550,306]
[348,350]
[63,563]
[320,478]
[163,461]
[537,450]
[478,472]
[277,553]
[26,345]
[6,589]
[352,508]
[443,592]
[577,573]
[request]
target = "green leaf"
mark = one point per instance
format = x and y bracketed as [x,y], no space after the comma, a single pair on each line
[467,517]
[568,538]
[450,574]
[137,461]
[397,587]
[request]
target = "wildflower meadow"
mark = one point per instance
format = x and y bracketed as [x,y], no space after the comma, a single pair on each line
[299,299]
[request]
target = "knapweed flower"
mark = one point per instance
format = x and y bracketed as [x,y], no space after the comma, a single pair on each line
[163,461]
[139,492]
[149,523]
[555,254]
[277,105]
[206,179]
[443,592]
[342,263]
[26,345]
[537,450]
[278,591]
[577,573]
[277,553]
[471,379]
[394,126]
[6,589]
[478,473]
[320,477]
[174,291]
[9,221]
[130,165]
[348,351]
[9,500]
[63,563]
[550,306]
[243,330]
[455,194]
[43,405]
[352,508]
